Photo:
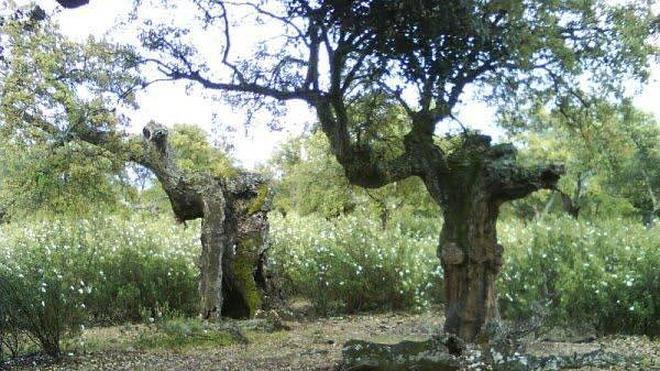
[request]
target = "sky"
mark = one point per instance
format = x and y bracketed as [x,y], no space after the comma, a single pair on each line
[170,102]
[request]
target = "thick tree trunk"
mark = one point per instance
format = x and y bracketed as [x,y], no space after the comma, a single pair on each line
[215,242]
[233,278]
[477,180]
[471,259]
[469,179]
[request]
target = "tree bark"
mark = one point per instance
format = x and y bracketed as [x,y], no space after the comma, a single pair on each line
[471,259]
[469,184]
[233,281]
[480,177]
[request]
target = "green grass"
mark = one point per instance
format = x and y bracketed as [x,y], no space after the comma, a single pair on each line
[183,333]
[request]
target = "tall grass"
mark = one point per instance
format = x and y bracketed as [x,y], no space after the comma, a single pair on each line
[351,264]
[604,273]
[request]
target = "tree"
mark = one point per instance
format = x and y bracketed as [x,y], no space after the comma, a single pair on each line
[422,54]
[310,180]
[611,152]
[58,93]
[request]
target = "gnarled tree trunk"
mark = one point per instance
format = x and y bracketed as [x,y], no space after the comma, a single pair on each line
[233,278]
[471,259]
[479,178]
[470,183]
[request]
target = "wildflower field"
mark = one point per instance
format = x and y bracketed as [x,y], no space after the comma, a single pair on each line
[56,277]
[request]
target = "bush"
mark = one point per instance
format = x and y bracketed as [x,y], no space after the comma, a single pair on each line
[604,274]
[351,264]
[56,276]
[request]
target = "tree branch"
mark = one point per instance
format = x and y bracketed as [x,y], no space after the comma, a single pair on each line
[510,181]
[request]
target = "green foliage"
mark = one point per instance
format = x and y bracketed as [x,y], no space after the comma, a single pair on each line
[603,274]
[311,181]
[610,153]
[38,304]
[194,152]
[58,275]
[181,333]
[351,264]
[53,93]
[569,272]
[74,178]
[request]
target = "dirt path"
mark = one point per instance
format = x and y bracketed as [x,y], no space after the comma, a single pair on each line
[310,345]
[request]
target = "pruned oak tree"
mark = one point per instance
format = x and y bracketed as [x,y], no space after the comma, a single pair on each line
[42,79]
[233,210]
[420,55]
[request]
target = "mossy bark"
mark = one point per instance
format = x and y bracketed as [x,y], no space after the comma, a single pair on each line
[233,279]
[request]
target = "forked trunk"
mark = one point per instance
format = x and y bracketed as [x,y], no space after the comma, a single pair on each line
[471,259]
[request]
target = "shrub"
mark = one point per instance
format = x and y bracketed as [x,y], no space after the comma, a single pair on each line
[351,264]
[56,276]
[38,303]
[604,274]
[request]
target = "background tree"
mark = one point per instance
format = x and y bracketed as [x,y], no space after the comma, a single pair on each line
[59,94]
[610,152]
[423,54]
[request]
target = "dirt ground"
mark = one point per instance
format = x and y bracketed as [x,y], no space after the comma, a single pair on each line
[313,344]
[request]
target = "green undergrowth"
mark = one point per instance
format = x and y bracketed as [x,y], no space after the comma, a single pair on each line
[560,271]
[59,276]
[183,333]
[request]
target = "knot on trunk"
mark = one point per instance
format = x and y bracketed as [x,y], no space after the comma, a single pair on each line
[488,253]
[451,254]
